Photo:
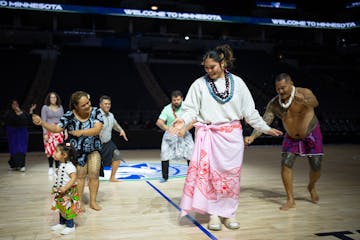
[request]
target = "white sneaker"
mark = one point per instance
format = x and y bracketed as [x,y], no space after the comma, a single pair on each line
[231,223]
[22,169]
[51,171]
[67,230]
[214,223]
[58,227]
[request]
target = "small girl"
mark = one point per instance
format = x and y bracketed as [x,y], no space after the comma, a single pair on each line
[65,193]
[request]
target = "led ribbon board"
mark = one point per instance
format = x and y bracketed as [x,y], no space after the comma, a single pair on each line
[50,7]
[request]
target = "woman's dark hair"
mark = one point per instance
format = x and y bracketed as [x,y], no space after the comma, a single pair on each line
[221,53]
[12,101]
[75,97]
[47,99]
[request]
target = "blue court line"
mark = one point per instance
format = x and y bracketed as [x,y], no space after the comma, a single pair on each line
[187,216]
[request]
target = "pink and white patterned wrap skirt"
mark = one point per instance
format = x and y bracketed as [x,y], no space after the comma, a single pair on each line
[212,184]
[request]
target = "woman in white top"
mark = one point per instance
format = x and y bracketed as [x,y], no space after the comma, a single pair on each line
[217,101]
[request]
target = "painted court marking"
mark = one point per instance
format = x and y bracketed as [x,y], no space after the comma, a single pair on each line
[152,171]
[145,171]
[204,230]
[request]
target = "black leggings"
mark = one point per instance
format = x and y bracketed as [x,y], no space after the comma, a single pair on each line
[165,168]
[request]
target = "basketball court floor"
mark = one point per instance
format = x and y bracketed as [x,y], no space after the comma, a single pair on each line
[140,207]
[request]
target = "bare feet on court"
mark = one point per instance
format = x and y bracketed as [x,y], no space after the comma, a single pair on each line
[114,180]
[95,206]
[82,208]
[289,204]
[313,194]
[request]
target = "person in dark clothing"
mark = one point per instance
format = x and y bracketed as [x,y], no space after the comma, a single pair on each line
[16,127]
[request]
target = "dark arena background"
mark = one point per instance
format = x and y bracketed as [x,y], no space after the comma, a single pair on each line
[138,56]
[138,52]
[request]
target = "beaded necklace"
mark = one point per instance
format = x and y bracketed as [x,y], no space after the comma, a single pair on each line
[221,97]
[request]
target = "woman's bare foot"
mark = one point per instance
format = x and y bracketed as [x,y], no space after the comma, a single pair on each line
[114,180]
[289,204]
[95,206]
[82,208]
[313,194]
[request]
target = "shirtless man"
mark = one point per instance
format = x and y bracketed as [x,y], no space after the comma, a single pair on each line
[295,107]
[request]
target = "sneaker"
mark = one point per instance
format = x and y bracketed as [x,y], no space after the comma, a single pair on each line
[58,227]
[22,169]
[68,230]
[231,223]
[214,223]
[51,171]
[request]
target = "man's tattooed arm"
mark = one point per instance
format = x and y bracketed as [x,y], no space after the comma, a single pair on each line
[272,110]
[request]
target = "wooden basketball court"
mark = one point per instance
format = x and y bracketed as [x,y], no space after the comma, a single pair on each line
[147,209]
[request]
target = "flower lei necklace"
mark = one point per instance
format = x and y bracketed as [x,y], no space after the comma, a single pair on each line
[286,105]
[221,97]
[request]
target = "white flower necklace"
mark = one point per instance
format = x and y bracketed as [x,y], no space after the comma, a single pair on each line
[286,105]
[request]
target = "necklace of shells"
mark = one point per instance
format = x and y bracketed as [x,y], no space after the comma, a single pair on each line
[287,105]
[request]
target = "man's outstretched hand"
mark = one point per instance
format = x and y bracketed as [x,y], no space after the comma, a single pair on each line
[272,132]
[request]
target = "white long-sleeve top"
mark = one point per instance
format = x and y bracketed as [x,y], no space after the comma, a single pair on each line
[199,104]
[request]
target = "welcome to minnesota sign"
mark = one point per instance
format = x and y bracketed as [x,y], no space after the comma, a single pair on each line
[35,6]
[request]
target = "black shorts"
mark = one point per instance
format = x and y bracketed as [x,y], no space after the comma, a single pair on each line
[107,152]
